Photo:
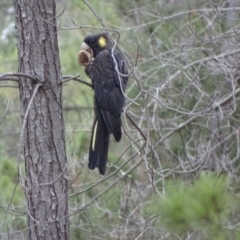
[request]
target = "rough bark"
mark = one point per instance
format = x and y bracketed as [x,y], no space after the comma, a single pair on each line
[44,145]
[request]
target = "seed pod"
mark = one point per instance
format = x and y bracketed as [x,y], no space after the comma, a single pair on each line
[84,58]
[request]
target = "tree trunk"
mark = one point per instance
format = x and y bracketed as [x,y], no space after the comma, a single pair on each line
[44,144]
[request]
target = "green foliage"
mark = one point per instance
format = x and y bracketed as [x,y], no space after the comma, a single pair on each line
[8,180]
[9,175]
[204,205]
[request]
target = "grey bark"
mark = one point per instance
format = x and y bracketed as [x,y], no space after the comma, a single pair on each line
[44,144]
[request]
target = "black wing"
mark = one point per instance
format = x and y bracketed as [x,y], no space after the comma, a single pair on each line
[109,86]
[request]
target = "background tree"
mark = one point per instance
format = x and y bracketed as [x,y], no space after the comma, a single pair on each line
[175,174]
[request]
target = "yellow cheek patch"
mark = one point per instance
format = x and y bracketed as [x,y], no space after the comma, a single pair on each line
[102,42]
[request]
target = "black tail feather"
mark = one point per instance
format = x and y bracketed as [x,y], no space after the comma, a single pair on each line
[98,151]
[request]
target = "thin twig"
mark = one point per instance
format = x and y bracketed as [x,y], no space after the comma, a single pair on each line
[15,77]
[76,78]
[5,112]
[95,13]
[136,126]
[8,86]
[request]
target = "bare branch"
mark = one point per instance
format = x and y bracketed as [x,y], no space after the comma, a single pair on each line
[15,77]
[75,78]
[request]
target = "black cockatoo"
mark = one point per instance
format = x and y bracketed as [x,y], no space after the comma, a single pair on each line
[108,71]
